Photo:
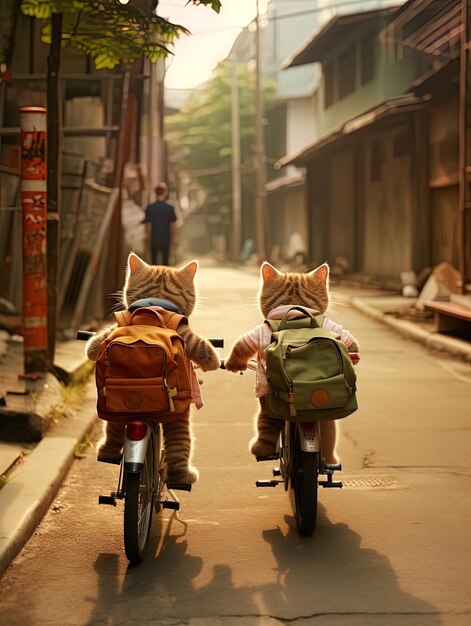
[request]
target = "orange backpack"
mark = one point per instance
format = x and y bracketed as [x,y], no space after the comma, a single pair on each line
[142,370]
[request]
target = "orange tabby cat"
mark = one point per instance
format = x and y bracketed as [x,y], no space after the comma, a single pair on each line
[280,291]
[176,285]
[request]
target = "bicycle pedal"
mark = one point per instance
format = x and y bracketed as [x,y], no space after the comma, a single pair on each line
[276,471]
[178,487]
[107,500]
[270,457]
[332,467]
[267,483]
[331,484]
[170,504]
[112,461]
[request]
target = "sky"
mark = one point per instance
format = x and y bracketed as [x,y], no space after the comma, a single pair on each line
[212,37]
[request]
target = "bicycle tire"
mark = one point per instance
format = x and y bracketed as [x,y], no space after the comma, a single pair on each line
[304,486]
[138,508]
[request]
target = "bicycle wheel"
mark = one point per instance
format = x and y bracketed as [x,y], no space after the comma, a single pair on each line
[303,492]
[138,507]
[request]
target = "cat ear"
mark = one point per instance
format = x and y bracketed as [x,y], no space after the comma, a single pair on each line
[135,263]
[322,272]
[189,270]
[269,272]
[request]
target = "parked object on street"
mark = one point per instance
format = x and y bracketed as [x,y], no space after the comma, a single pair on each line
[409,284]
[443,281]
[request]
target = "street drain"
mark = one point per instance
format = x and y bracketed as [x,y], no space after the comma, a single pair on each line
[370,483]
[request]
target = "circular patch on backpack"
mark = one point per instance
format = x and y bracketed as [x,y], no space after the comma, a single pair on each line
[319,397]
[133,400]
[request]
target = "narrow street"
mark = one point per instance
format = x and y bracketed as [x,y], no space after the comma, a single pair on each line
[391,548]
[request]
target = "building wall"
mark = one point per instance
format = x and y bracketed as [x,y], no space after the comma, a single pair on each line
[391,78]
[341,214]
[387,218]
[443,180]
[301,123]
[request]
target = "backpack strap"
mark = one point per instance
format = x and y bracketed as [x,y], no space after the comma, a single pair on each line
[172,320]
[123,318]
[308,321]
[167,319]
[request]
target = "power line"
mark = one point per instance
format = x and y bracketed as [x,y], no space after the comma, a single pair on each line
[274,18]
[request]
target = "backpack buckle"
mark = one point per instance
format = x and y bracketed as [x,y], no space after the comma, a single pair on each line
[292,408]
[171,394]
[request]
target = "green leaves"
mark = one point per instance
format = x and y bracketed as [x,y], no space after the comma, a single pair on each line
[200,135]
[110,32]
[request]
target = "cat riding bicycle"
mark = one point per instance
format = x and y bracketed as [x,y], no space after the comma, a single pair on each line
[304,376]
[145,377]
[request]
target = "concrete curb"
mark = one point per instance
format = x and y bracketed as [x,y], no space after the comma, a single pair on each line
[442,343]
[26,498]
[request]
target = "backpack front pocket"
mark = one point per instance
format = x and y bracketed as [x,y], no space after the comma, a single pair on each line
[136,396]
[322,394]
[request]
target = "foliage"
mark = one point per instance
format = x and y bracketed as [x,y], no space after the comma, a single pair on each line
[108,31]
[200,135]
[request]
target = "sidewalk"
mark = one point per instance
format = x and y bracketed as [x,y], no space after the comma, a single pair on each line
[36,468]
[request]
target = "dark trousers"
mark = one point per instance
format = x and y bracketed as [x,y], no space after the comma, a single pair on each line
[160,255]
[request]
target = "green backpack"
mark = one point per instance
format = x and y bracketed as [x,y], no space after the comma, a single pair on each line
[310,374]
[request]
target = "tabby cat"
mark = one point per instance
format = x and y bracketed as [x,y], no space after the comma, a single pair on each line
[176,285]
[278,292]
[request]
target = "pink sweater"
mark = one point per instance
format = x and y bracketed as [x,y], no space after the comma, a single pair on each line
[259,338]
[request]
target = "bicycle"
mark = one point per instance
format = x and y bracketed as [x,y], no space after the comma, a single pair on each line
[301,463]
[141,482]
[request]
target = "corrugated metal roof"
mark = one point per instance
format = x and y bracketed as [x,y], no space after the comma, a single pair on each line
[395,106]
[430,26]
[331,35]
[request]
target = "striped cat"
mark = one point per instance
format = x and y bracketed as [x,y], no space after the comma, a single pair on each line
[176,285]
[278,292]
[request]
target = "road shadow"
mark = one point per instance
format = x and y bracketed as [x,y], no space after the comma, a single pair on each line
[331,573]
[165,586]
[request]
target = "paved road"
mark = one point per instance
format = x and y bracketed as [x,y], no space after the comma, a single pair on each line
[391,548]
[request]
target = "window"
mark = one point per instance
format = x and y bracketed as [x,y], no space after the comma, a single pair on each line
[347,71]
[328,85]
[367,54]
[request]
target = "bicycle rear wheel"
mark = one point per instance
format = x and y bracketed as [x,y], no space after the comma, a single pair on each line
[138,507]
[303,492]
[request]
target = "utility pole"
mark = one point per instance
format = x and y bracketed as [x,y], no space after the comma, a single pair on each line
[236,183]
[34,236]
[260,160]
[151,128]
[465,147]
[54,169]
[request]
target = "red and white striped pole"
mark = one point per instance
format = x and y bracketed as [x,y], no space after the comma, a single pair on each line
[34,205]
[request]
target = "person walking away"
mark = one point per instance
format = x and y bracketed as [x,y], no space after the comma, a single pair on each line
[161,226]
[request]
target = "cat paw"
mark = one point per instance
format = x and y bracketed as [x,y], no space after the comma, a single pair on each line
[182,476]
[260,447]
[235,365]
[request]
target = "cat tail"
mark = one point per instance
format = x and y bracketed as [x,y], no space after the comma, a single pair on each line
[198,349]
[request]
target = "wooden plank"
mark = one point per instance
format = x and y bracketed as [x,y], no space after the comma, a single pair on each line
[450,317]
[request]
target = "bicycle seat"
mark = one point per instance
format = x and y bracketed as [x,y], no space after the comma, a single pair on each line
[145,302]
